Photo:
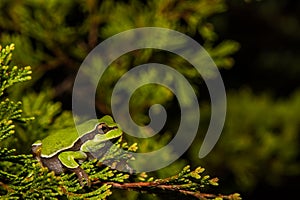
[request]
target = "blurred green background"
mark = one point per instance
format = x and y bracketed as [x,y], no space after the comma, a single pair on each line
[255,44]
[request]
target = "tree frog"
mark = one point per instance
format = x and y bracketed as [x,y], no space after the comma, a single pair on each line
[63,149]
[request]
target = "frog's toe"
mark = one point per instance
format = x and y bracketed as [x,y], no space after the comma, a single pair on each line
[82,175]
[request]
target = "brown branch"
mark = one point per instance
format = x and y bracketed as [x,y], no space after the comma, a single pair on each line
[146,186]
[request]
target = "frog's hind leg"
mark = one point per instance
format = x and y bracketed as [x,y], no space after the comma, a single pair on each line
[68,158]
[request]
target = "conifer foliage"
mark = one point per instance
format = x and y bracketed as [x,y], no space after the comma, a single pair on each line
[22,177]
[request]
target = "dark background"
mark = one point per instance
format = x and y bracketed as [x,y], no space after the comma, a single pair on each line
[268,61]
[268,32]
[258,153]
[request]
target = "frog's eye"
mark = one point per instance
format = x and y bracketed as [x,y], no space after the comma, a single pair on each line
[102,128]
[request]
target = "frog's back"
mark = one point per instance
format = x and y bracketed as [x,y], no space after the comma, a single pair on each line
[58,141]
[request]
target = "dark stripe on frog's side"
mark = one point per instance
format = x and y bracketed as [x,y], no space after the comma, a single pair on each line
[83,139]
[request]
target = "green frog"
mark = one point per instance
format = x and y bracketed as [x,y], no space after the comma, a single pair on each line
[65,149]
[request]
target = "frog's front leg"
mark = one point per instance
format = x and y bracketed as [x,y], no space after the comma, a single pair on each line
[68,159]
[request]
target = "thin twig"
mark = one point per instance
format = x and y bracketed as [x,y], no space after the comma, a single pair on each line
[146,186]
